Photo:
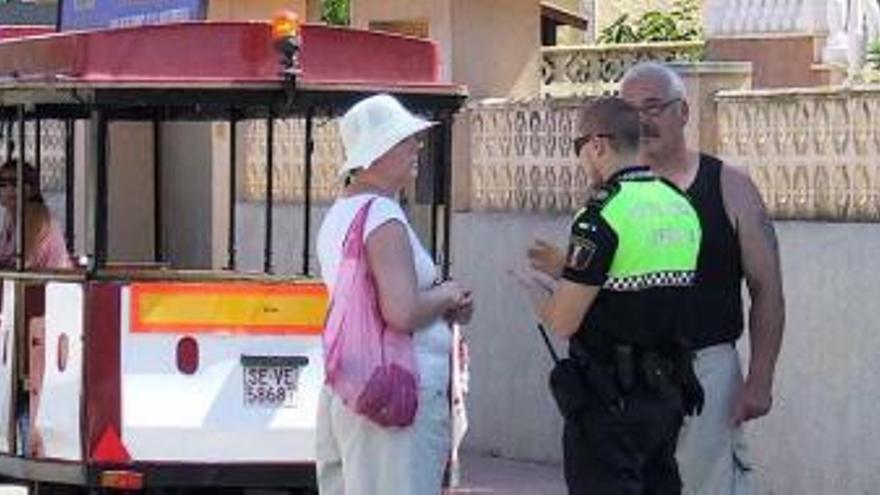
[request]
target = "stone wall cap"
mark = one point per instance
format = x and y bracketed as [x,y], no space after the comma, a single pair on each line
[712,67]
[841,91]
[622,47]
[542,102]
[771,35]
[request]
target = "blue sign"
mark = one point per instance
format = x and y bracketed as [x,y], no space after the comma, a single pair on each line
[91,14]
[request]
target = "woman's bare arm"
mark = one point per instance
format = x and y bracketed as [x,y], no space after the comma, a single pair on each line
[403,305]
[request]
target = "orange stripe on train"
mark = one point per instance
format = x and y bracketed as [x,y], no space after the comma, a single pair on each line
[233,308]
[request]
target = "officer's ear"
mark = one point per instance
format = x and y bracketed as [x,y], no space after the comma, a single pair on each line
[603,146]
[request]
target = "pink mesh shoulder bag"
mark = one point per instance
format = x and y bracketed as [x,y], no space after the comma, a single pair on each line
[370,366]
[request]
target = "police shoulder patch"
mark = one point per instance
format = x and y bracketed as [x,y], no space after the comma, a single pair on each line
[580,253]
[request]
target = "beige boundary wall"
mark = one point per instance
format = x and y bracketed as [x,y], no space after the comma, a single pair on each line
[823,434]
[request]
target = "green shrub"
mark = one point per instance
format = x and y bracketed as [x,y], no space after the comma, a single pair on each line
[682,23]
[872,57]
[619,31]
[335,12]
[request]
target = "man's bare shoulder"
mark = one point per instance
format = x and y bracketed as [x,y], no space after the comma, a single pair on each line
[739,191]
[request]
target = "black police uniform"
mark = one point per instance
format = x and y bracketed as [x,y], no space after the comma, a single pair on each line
[638,240]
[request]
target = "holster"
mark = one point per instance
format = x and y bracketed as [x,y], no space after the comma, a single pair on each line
[568,389]
[657,369]
[576,384]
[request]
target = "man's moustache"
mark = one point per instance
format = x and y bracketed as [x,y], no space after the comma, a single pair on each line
[650,131]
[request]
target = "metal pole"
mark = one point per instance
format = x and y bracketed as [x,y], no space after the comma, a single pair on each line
[444,181]
[21,206]
[435,149]
[38,142]
[233,149]
[101,200]
[9,144]
[307,191]
[270,160]
[158,251]
[69,174]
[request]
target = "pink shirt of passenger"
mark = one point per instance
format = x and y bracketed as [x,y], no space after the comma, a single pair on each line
[50,252]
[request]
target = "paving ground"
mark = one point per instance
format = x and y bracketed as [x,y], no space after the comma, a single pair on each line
[491,475]
[480,475]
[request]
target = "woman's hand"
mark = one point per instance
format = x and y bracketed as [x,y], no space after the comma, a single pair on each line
[463,312]
[460,300]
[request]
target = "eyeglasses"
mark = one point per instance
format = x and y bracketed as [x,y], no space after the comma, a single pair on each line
[580,142]
[654,109]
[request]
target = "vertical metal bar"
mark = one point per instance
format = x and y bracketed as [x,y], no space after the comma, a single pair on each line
[9,144]
[436,156]
[101,199]
[69,174]
[445,184]
[158,250]
[58,11]
[233,150]
[21,206]
[307,191]
[38,145]
[270,162]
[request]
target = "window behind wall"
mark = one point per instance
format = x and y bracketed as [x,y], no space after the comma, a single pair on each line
[411,27]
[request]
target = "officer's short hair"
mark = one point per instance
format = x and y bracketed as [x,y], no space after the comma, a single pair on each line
[610,117]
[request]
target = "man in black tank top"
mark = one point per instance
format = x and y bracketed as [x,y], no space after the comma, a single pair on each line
[739,243]
[716,312]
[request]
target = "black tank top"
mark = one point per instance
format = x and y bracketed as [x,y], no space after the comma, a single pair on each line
[716,313]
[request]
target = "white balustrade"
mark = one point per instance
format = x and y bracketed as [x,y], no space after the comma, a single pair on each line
[852,26]
[597,69]
[811,153]
[522,156]
[289,160]
[749,17]
[848,25]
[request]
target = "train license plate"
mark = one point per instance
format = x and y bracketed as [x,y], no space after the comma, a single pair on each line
[271,381]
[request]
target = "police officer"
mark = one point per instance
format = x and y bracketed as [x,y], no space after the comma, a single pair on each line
[631,257]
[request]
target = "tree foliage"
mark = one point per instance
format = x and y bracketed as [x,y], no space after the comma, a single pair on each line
[682,23]
[335,12]
[872,57]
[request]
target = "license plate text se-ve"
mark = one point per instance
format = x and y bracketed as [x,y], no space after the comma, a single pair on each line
[271,381]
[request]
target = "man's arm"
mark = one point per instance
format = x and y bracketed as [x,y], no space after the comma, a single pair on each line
[759,251]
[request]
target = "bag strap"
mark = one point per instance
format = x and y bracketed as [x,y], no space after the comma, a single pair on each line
[353,245]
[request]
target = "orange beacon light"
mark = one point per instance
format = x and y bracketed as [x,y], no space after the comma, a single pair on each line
[285,33]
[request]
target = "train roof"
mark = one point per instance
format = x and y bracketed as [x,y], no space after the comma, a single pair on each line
[204,68]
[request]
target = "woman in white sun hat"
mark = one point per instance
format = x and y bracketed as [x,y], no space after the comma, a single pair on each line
[354,455]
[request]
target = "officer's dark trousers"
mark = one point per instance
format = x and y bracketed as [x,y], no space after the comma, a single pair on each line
[627,452]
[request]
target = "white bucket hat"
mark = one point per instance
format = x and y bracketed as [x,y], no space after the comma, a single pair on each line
[372,127]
